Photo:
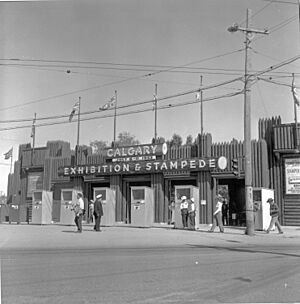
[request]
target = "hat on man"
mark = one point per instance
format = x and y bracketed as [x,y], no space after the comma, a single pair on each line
[183,198]
[99,196]
[192,199]
[270,200]
[219,196]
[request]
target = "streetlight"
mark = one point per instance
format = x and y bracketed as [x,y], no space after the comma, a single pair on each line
[247,119]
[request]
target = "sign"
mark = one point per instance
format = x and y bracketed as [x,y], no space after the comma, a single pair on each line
[292,176]
[159,166]
[136,153]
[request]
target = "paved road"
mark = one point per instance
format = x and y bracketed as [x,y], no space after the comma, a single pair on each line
[52,264]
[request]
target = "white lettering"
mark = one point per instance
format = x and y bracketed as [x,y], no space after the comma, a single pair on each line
[80,170]
[104,168]
[137,167]
[156,164]
[110,152]
[117,168]
[164,166]
[148,166]
[193,164]
[212,163]
[173,165]
[184,163]
[153,148]
[66,171]
[130,151]
[126,167]
[202,163]
[73,170]
[93,169]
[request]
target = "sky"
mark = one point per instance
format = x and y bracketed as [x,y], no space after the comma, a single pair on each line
[54,52]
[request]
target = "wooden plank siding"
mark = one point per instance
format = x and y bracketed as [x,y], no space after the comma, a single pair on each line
[280,139]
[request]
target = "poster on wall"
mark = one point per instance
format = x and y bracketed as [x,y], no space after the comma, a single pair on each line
[292,176]
[35,182]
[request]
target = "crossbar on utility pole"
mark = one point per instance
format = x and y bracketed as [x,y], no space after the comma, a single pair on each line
[247,119]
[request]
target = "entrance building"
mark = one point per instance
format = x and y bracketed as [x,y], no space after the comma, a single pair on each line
[138,183]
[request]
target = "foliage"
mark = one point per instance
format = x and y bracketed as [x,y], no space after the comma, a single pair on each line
[176,140]
[98,145]
[126,139]
[189,140]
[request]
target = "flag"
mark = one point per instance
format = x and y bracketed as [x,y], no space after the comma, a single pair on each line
[295,94]
[8,154]
[33,127]
[110,104]
[75,108]
[154,102]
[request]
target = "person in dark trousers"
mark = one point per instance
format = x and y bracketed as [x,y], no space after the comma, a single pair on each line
[98,212]
[274,212]
[217,221]
[78,208]
[192,212]
[225,209]
[184,211]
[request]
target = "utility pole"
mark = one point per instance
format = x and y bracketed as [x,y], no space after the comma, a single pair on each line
[78,131]
[247,118]
[155,113]
[115,118]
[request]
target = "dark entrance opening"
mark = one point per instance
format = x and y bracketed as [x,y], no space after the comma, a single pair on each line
[235,188]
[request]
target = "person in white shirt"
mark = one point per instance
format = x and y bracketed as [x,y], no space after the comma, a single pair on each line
[78,208]
[192,212]
[217,220]
[184,211]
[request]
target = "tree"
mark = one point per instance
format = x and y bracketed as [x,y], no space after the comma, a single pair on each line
[189,140]
[126,139]
[176,140]
[98,145]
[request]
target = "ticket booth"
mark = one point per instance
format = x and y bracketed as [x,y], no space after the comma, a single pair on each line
[108,205]
[67,215]
[42,207]
[189,191]
[142,206]
[263,218]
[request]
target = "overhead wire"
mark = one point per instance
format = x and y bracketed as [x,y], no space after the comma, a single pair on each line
[129,112]
[138,103]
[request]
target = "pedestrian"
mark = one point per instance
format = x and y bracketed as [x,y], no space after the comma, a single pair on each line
[225,209]
[172,210]
[192,212]
[78,208]
[184,211]
[217,220]
[98,212]
[274,212]
[91,211]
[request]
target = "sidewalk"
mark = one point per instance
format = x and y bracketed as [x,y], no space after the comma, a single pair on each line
[53,237]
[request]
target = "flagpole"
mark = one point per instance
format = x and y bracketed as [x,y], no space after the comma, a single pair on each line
[115,118]
[33,137]
[78,130]
[295,113]
[11,160]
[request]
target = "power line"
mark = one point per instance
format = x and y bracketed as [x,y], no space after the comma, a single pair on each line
[129,112]
[178,94]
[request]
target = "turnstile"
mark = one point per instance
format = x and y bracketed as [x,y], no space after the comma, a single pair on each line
[142,206]
[108,205]
[189,191]
[42,202]
[68,197]
[262,218]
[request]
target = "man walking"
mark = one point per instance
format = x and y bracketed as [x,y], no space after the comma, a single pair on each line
[98,212]
[274,212]
[78,208]
[217,221]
